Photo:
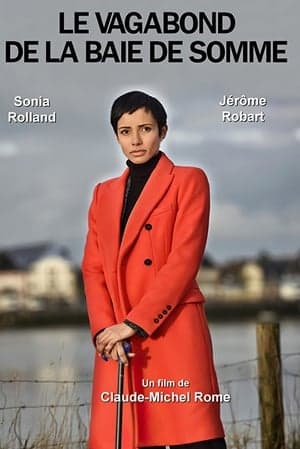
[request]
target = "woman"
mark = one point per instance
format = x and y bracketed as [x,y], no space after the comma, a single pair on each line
[147,234]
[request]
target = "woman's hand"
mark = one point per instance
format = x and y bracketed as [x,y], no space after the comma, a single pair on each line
[118,353]
[106,340]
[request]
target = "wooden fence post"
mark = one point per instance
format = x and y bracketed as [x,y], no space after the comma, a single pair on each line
[270,385]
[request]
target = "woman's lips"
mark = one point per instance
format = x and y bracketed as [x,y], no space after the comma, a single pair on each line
[138,152]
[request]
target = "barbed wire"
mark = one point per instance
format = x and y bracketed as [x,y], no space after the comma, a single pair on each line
[69,443]
[23,406]
[83,406]
[292,415]
[242,372]
[285,372]
[290,373]
[62,444]
[87,404]
[240,421]
[45,381]
[65,443]
[230,381]
[289,354]
[226,365]
[241,362]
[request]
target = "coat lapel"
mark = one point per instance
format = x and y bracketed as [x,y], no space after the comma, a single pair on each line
[111,209]
[155,188]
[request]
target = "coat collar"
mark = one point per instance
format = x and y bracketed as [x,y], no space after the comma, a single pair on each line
[154,190]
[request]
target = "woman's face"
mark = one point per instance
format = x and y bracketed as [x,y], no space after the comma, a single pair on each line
[138,135]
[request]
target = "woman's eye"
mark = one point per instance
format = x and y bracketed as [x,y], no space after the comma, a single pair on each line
[124,132]
[147,128]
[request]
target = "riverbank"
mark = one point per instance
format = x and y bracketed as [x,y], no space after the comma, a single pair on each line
[217,311]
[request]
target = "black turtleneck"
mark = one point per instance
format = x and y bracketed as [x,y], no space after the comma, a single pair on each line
[138,176]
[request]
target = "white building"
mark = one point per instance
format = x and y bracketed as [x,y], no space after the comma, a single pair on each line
[52,277]
[35,276]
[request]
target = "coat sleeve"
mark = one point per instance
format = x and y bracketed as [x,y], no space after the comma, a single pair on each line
[174,278]
[99,304]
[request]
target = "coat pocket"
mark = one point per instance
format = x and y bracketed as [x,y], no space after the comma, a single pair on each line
[162,209]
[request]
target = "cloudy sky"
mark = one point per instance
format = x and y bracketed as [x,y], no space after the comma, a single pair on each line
[47,172]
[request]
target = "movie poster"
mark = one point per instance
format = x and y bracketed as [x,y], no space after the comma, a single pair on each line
[228,75]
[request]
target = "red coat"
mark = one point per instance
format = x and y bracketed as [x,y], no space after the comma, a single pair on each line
[150,279]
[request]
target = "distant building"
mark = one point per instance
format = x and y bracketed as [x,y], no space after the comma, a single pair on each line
[253,279]
[282,275]
[242,280]
[289,287]
[12,289]
[52,277]
[37,274]
[263,278]
[208,278]
[233,281]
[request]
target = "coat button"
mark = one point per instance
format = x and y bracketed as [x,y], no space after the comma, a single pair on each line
[156,320]
[165,312]
[148,226]
[160,316]
[148,262]
[169,307]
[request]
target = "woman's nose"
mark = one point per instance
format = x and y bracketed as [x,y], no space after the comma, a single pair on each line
[136,138]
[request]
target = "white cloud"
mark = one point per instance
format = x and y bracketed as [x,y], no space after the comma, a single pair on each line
[236,136]
[8,149]
[255,138]
[229,220]
[185,137]
[297,134]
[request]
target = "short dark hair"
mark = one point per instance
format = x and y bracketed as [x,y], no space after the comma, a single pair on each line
[131,101]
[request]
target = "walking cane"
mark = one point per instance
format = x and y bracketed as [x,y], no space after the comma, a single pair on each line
[118,436]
